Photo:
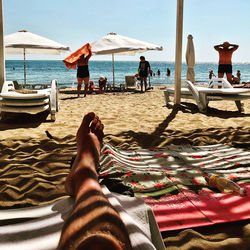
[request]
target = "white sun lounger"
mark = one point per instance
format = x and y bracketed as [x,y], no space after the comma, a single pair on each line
[33,101]
[202,95]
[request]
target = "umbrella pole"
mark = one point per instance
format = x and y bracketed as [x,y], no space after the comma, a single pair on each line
[24,67]
[113,70]
[2,61]
[178,52]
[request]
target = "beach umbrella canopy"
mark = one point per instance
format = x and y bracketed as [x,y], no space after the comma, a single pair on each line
[24,42]
[113,43]
[190,59]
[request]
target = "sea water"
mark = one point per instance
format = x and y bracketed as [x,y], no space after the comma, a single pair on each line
[43,71]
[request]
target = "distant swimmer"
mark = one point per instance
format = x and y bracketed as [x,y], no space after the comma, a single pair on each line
[158,72]
[13,68]
[168,72]
[225,59]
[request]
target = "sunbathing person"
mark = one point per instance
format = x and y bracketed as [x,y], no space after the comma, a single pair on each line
[102,84]
[93,223]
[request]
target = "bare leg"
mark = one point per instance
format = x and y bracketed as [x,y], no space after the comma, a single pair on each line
[220,75]
[141,84]
[94,223]
[86,83]
[79,86]
[145,83]
[229,77]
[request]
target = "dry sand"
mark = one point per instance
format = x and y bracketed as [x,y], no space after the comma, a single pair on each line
[34,167]
[139,120]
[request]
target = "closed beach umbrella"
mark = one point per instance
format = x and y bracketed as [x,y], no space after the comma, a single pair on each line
[190,59]
[113,43]
[24,42]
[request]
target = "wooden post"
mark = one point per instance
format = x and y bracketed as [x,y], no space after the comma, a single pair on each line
[113,70]
[2,60]
[178,52]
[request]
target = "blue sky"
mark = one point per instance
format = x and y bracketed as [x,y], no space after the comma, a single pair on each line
[76,22]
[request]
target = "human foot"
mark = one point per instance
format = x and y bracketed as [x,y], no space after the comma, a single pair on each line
[89,139]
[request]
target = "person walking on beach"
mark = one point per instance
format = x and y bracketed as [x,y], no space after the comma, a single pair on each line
[143,70]
[94,223]
[83,73]
[225,59]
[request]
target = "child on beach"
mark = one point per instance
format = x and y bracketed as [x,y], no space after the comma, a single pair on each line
[102,84]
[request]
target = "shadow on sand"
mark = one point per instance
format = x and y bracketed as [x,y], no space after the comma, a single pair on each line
[162,136]
[22,120]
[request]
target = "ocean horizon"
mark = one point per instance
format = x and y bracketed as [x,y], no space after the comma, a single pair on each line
[43,71]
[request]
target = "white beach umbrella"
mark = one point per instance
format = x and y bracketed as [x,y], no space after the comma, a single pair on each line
[190,59]
[113,43]
[24,42]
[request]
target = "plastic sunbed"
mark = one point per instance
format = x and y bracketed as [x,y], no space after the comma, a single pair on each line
[218,89]
[14,99]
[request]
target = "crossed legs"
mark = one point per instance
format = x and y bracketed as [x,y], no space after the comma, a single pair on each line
[93,223]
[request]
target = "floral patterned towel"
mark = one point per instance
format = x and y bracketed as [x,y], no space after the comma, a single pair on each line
[171,180]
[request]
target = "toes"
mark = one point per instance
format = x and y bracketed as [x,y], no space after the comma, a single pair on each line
[99,132]
[97,128]
[87,119]
[94,124]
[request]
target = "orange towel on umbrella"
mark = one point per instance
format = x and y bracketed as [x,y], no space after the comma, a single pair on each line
[71,60]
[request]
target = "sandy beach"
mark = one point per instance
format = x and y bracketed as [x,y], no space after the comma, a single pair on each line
[32,163]
[135,120]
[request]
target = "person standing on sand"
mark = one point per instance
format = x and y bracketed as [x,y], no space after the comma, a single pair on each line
[239,74]
[143,70]
[225,59]
[94,224]
[83,73]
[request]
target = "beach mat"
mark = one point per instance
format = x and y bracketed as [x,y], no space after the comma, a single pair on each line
[33,172]
[171,180]
[39,227]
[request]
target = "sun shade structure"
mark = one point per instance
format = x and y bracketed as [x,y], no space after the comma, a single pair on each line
[190,59]
[113,44]
[24,42]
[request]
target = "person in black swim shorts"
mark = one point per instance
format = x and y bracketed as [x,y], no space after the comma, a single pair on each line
[225,59]
[83,73]
[143,70]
